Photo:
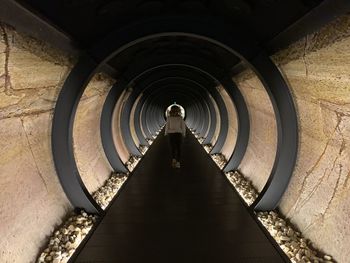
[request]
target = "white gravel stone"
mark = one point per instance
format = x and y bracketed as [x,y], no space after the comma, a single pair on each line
[132,162]
[243,186]
[208,147]
[67,238]
[294,245]
[219,159]
[143,149]
[104,195]
[297,248]
[201,140]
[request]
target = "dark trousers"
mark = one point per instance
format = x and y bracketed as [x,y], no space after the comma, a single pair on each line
[175,140]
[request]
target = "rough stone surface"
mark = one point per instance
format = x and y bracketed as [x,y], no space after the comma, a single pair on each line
[29,82]
[318,197]
[30,192]
[262,138]
[231,138]
[92,163]
[317,200]
[218,120]
[132,123]
[121,148]
[32,201]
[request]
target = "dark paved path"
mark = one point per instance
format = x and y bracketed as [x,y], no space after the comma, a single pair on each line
[178,215]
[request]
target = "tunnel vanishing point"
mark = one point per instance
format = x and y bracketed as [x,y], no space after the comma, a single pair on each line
[84,86]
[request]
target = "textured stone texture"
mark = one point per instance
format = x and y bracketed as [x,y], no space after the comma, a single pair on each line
[230,142]
[218,120]
[131,122]
[91,160]
[262,138]
[29,83]
[32,201]
[121,148]
[318,197]
[31,198]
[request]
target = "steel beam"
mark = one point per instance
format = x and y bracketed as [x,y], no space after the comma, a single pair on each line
[62,136]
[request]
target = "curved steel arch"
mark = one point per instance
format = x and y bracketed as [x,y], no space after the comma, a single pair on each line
[221,77]
[160,81]
[131,100]
[133,77]
[176,93]
[161,89]
[62,136]
[204,29]
[178,61]
[243,125]
[106,127]
[199,106]
[220,103]
[106,134]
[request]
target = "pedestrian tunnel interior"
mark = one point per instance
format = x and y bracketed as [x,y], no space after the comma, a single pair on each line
[85,89]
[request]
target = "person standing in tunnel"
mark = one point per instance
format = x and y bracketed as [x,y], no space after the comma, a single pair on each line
[175,128]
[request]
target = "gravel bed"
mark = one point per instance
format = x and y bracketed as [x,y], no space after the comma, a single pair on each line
[132,162]
[67,238]
[208,147]
[219,159]
[104,195]
[201,140]
[243,187]
[295,246]
[143,149]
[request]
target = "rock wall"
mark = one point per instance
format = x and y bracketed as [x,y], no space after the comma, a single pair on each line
[132,124]
[121,148]
[32,201]
[29,83]
[92,163]
[260,155]
[318,197]
[231,138]
[218,121]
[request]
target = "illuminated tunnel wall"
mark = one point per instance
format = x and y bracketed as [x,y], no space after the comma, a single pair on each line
[283,122]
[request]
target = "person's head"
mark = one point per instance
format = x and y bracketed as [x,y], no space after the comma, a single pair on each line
[175,111]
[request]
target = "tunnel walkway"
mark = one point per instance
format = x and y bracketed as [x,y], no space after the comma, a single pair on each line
[178,215]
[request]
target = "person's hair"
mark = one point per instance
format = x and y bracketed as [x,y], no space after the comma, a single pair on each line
[175,111]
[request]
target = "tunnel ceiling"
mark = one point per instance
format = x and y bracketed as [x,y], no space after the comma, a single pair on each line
[88,20]
[270,24]
[179,45]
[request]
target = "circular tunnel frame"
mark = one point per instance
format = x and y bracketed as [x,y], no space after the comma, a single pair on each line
[148,103]
[158,78]
[125,120]
[205,29]
[134,76]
